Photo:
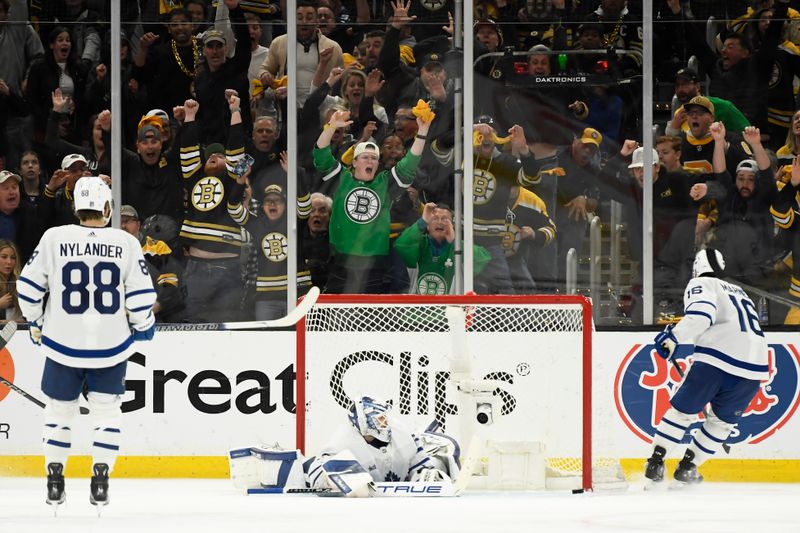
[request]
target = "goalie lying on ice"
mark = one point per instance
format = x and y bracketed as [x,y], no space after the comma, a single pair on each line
[384,449]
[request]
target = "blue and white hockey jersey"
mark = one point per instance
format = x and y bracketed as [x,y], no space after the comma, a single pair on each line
[99,288]
[400,460]
[722,322]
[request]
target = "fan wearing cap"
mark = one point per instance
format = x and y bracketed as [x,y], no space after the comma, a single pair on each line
[496,173]
[697,147]
[739,73]
[270,236]
[214,242]
[359,226]
[19,221]
[152,182]
[687,87]
[57,201]
[219,74]
[422,74]
[744,231]
[167,69]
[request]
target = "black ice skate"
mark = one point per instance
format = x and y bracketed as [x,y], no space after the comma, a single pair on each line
[55,484]
[99,486]
[655,465]
[686,473]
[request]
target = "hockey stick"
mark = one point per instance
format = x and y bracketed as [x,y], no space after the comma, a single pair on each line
[766,294]
[379,490]
[681,373]
[34,399]
[6,333]
[293,317]
[5,336]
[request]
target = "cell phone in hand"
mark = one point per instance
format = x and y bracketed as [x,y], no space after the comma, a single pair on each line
[243,164]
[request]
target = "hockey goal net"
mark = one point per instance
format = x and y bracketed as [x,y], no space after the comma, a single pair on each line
[536,349]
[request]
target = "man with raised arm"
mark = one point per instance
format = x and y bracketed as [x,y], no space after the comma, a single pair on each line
[359,226]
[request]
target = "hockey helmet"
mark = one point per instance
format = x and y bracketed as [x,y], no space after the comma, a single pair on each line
[161,228]
[370,418]
[92,194]
[708,262]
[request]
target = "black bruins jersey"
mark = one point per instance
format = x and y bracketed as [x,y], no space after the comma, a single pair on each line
[697,154]
[527,209]
[491,188]
[207,225]
[785,210]
[271,240]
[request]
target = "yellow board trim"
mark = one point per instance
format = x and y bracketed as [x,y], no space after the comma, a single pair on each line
[126,466]
[729,470]
[719,470]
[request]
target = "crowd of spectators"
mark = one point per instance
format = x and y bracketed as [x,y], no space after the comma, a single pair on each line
[558,107]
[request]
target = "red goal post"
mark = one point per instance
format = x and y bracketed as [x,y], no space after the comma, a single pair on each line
[396,347]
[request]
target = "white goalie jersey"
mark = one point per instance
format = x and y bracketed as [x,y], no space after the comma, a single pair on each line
[722,322]
[99,288]
[400,460]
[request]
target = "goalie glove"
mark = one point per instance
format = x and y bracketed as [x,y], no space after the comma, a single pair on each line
[35,331]
[431,475]
[666,342]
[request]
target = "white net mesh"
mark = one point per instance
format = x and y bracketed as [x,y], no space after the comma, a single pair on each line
[400,352]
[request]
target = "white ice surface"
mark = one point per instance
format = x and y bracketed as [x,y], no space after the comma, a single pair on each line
[196,506]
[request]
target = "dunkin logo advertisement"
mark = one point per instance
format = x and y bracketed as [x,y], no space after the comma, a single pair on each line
[645,382]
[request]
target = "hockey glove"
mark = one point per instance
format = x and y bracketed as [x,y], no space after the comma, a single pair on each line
[144,335]
[431,475]
[35,331]
[666,342]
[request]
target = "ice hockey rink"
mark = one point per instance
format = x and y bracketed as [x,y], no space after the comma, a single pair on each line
[154,506]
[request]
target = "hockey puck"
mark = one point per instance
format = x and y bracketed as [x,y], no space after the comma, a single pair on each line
[577,491]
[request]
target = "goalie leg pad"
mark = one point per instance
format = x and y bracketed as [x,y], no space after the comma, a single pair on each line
[672,428]
[347,475]
[106,417]
[280,468]
[57,436]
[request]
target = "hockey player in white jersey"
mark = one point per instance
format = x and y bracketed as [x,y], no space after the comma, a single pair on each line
[99,301]
[730,358]
[384,449]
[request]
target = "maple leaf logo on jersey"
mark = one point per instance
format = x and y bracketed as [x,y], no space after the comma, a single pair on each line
[391,476]
[645,382]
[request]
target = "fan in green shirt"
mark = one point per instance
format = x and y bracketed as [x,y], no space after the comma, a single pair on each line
[428,247]
[359,225]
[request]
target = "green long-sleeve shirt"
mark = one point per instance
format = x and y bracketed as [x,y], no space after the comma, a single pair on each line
[434,262]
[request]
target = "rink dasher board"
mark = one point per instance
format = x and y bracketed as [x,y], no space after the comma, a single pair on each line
[194,395]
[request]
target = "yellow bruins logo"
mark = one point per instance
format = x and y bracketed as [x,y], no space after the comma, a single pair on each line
[275,246]
[484,184]
[511,239]
[431,283]
[207,193]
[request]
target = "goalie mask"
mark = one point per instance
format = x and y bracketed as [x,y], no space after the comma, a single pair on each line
[92,194]
[371,419]
[708,262]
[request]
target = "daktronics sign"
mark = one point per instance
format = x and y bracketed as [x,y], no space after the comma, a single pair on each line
[212,391]
[645,382]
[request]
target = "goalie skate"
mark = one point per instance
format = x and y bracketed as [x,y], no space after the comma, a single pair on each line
[98,489]
[55,485]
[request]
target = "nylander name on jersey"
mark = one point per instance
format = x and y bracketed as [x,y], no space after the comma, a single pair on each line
[97,249]
[87,287]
